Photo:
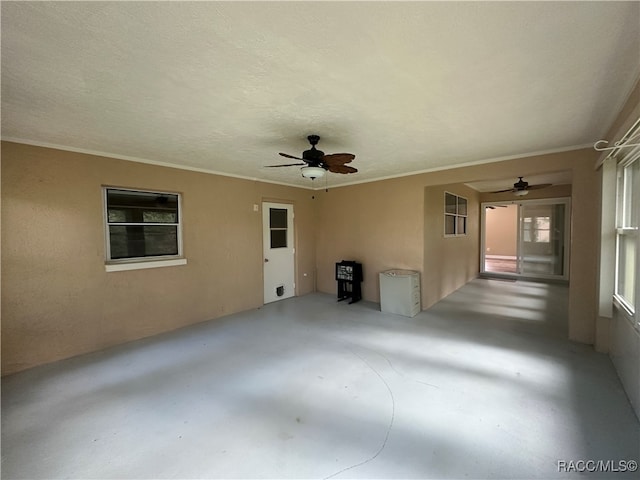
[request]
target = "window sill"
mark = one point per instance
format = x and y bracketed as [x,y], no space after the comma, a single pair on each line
[626,312]
[139,265]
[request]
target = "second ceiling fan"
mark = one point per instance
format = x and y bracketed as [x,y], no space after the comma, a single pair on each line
[521,187]
[316,163]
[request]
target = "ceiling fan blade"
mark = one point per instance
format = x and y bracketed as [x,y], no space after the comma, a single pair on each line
[502,191]
[338,158]
[536,187]
[285,165]
[290,156]
[342,169]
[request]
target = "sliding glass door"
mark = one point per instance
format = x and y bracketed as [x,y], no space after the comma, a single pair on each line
[528,238]
[542,239]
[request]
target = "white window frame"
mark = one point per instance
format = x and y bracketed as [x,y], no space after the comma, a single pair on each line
[628,228]
[137,263]
[455,216]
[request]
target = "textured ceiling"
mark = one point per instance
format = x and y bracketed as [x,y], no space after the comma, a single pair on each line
[225,86]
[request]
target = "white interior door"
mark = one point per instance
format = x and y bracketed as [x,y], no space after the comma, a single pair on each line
[277,232]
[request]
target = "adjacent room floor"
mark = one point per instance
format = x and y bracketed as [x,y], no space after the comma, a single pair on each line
[482,385]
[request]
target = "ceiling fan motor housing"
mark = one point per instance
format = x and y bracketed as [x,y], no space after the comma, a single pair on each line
[313,156]
[520,184]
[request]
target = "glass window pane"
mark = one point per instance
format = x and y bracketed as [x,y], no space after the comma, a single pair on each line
[278,239]
[143,240]
[462,206]
[620,199]
[526,230]
[542,236]
[118,241]
[627,208]
[450,203]
[632,195]
[161,240]
[117,216]
[149,216]
[543,223]
[142,207]
[278,217]
[626,268]
[449,224]
[462,225]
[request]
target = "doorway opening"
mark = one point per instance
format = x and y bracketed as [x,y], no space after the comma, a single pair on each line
[528,239]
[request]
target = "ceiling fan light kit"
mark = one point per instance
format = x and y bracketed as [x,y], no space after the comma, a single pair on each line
[521,193]
[313,172]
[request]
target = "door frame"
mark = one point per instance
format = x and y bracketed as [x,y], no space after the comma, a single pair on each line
[541,201]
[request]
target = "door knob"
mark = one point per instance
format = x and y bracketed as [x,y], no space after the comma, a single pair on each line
[266,260]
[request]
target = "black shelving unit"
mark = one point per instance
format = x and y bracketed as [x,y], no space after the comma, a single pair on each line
[349,278]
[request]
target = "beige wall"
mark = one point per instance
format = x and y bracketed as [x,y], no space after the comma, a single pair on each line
[449,262]
[501,231]
[57,299]
[396,223]
[381,224]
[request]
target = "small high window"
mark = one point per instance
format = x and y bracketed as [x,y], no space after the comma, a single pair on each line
[455,215]
[142,225]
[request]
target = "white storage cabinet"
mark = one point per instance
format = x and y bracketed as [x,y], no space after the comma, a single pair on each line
[400,292]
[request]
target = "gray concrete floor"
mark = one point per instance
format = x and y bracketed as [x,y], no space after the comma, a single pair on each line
[482,385]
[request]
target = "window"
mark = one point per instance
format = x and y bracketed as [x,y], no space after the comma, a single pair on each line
[142,225]
[455,215]
[627,237]
[278,227]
